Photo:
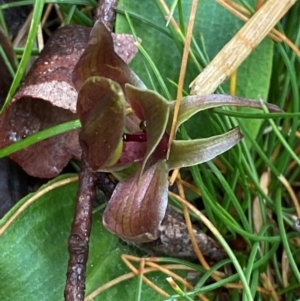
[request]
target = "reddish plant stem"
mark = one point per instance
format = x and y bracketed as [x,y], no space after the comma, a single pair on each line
[79,238]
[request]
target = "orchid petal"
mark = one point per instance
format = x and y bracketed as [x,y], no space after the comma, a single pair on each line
[100,59]
[190,105]
[192,152]
[101,109]
[152,107]
[137,208]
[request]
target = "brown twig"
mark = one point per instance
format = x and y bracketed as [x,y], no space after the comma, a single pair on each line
[106,12]
[80,233]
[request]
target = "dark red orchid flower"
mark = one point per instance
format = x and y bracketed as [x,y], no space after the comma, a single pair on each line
[112,103]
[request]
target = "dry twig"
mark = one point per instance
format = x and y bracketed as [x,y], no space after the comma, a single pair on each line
[80,234]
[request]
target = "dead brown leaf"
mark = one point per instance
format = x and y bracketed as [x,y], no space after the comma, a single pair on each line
[46,98]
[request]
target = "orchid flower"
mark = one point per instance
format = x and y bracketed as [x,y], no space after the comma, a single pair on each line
[112,104]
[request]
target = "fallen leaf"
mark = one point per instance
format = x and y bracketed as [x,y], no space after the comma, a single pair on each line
[46,98]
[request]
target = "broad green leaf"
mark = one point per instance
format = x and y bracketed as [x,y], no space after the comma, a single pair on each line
[101,109]
[34,252]
[33,248]
[154,109]
[254,81]
[137,206]
[190,105]
[100,59]
[192,152]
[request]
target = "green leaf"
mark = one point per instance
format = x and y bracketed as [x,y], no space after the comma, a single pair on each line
[138,206]
[152,107]
[101,109]
[253,80]
[34,253]
[40,136]
[33,247]
[192,152]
